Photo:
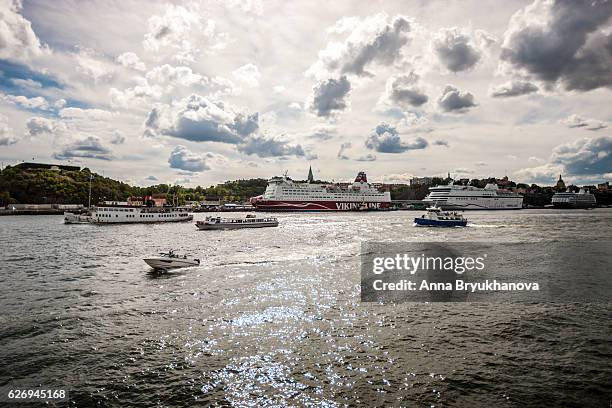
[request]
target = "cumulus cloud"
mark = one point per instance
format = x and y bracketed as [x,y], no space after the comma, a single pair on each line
[94,65]
[512,88]
[344,25]
[7,137]
[322,132]
[544,174]
[18,42]
[220,86]
[344,146]
[455,49]
[151,178]
[39,126]
[118,138]
[89,148]
[330,97]
[366,158]
[440,143]
[131,60]
[182,158]
[28,84]
[85,114]
[179,28]
[456,101]
[561,42]
[176,75]
[198,119]
[536,159]
[248,6]
[403,91]
[59,104]
[248,74]
[136,95]
[376,39]
[590,157]
[37,102]
[577,121]
[170,28]
[386,139]
[262,146]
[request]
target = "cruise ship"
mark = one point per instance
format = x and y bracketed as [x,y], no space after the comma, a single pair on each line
[125,214]
[454,197]
[284,194]
[581,199]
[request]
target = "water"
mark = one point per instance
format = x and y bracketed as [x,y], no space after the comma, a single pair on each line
[273,318]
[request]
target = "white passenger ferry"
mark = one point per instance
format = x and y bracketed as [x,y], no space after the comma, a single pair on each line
[124,214]
[250,221]
[454,197]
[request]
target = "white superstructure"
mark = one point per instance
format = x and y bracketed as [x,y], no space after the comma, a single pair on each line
[122,214]
[250,221]
[453,197]
[582,199]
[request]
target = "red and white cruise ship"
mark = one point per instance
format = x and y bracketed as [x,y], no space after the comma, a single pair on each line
[284,194]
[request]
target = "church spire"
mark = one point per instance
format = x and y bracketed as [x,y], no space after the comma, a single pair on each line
[310,176]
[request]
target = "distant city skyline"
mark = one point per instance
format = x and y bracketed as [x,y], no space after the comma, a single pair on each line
[198,93]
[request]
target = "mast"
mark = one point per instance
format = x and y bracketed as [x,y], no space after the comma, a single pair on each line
[90,179]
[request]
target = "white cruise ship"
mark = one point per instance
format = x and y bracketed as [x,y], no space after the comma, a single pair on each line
[284,194]
[453,197]
[582,199]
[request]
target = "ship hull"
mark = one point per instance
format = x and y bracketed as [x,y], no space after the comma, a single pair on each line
[574,205]
[170,263]
[425,222]
[225,226]
[269,205]
[153,220]
[449,206]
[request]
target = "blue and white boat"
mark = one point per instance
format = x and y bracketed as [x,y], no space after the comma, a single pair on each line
[435,217]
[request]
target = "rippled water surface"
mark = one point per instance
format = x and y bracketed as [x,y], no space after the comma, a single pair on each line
[273,318]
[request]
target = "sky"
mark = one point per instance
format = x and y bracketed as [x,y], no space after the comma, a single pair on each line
[201,92]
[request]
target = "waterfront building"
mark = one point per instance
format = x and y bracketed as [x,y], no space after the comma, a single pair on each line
[421,181]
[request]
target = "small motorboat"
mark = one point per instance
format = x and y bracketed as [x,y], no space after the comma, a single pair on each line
[250,221]
[170,260]
[435,217]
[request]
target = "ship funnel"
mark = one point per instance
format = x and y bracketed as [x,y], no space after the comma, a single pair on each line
[361,177]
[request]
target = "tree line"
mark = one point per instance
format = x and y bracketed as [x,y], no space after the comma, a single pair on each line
[45,186]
